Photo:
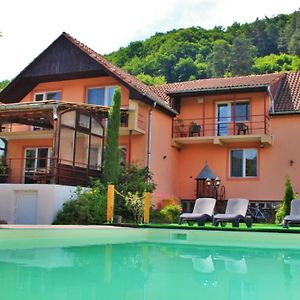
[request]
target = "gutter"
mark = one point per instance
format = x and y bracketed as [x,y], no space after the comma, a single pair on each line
[285,113]
[150,136]
[272,100]
[229,89]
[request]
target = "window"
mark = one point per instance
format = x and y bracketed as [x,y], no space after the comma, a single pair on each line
[241,111]
[44,96]
[37,162]
[122,155]
[228,112]
[100,95]
[2,150]
[243,163]
[81,140]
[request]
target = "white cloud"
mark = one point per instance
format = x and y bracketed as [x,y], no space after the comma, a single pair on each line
[28,27]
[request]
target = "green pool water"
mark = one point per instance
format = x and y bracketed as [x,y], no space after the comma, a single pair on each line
[149,271]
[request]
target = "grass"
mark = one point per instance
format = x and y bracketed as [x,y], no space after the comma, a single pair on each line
[256,227]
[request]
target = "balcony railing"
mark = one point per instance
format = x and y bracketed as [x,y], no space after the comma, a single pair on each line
[225,126]
[48,171]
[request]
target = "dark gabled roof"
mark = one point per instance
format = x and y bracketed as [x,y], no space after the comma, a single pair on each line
[122,75]
[288,96]
[91,64]
[205,173]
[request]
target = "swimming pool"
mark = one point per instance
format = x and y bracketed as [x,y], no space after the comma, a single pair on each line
[148,264]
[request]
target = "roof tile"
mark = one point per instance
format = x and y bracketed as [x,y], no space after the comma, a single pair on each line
[288,96]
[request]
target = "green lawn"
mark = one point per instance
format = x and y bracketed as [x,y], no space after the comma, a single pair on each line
[255,227]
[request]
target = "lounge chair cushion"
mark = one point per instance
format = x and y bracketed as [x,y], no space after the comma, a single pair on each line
[226,216]
[191,216]
[292,218]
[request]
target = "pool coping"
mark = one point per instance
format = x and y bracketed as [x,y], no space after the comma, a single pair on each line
[86,227]
[148,226]
[178,227]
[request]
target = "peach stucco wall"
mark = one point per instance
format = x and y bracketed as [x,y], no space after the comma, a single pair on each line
[203,111]
[15,153]
[75,90]
[164,157]
[273,164]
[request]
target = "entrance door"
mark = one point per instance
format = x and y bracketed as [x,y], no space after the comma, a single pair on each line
[223,118]
[26,207]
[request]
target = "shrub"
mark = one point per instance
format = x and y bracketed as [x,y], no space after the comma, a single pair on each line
[170,213]
[285,207]
[88,207]
[135,180]
[135,204]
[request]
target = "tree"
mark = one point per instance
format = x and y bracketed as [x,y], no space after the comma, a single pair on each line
[294,43]
[151,80]
[276,63]
[218,60]
[241,57]
[185,68]
[111,153]
[3,84]
[285,207]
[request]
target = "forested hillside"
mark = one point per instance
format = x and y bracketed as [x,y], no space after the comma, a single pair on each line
[264,46]
[3,84]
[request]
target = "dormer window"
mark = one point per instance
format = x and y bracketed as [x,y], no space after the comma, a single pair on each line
[101,95]
[44,96]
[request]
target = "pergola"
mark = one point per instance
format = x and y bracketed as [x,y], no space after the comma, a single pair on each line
[77,138]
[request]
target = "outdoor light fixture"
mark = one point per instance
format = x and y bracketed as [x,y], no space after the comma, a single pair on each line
[217,181]
[208,181]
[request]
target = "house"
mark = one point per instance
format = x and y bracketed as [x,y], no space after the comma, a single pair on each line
[245,128]
[242,130]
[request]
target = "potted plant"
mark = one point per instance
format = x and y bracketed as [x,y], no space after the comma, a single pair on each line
[3,171]
[180,127]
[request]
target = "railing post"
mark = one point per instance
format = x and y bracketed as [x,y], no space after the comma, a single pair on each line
[265,125]
[110,203]
[147,202]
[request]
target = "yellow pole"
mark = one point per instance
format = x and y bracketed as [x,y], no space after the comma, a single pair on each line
[147,202]
[107,263]
[110,203]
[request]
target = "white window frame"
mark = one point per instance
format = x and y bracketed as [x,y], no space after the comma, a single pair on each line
[106,90]
[35,161]
[244,163]
[229,118]
[44,93]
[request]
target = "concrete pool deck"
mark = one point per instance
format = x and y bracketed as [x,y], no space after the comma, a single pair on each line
[13,226]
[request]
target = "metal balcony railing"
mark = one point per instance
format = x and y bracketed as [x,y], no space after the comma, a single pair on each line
[225,126]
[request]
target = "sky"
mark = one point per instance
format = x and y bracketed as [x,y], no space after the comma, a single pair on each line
[29,26]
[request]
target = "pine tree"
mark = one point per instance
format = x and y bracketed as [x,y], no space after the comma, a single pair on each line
[285,207]
[241,57]
[111,154]
[294,42]
[218,60]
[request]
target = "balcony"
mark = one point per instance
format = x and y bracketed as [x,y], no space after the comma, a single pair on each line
[132,121]
[47,170]
[221,131]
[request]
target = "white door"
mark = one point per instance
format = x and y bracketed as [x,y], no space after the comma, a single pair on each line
[26,207]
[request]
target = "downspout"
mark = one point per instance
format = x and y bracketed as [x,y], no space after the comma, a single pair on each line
[150,136]
[272,99]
